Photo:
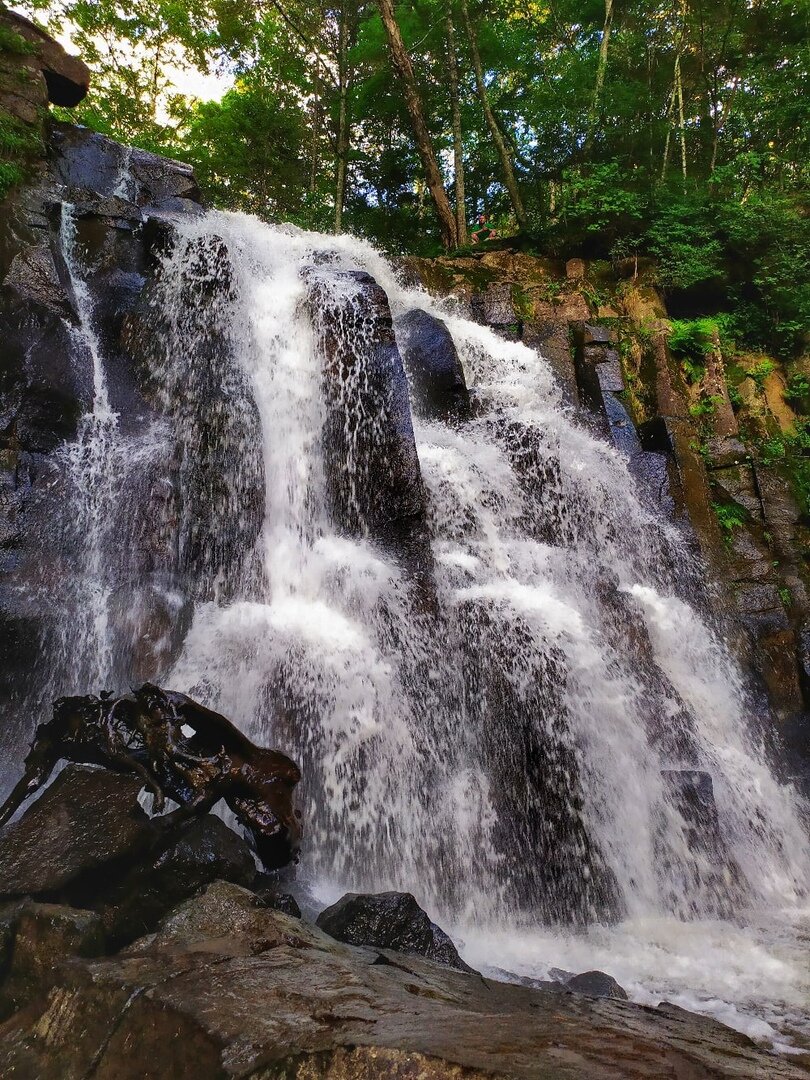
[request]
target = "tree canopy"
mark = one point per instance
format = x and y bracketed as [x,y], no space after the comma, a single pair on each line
[676,129]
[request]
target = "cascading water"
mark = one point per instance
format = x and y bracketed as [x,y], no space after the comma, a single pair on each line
[520,747]
[92,466]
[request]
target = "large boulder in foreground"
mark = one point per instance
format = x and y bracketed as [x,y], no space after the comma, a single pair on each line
[227,988]
[389,920]
[87,819]
[435,374]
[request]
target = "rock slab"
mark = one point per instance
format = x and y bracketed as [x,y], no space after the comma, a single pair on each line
[227,988]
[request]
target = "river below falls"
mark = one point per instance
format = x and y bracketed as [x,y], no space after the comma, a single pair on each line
[752,975]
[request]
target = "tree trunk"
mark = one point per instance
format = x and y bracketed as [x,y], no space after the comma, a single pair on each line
[492,123]
[342,148]
[458,146]
[681,122]
[601,70]
[404,70]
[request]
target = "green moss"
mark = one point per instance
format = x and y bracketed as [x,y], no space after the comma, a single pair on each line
[12,42]
[20,143]
[798,387]
[788,454]
[18,138]
[760,372]
[522,303]
[705,406]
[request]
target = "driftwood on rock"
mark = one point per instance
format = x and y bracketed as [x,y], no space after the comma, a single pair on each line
[181,750]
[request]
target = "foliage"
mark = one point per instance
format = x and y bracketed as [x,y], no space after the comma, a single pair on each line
[605,165]
[797,389]
[705,407]
[730,516]
[760,371]
[12,42]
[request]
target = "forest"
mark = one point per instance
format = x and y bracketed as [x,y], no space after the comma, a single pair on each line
[675,131]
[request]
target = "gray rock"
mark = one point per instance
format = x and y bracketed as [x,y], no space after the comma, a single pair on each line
[596,984]
[389,920]
[42,937]
[373,477]
[436,377]
[202,851]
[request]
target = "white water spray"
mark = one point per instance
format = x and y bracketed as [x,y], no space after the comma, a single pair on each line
[507,760]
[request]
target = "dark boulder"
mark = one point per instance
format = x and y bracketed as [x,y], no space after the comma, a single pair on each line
[438,388]
[596,984]
[373,474]
[271,892]
[389,920]
[199,852]
[86,820]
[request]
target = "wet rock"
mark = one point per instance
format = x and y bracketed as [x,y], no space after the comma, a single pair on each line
[495,307]
[389,920]
[85,161]
[373,474]
[229,988]
[46,385]
[434,370]
[33,278]
[224,912]
[42,937]
[591,334]
[596,984]
[272,894]
[85,820]
[198,853]
[551,338]
[707,880]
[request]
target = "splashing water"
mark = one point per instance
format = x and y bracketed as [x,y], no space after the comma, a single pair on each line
[510,756]
[91,471]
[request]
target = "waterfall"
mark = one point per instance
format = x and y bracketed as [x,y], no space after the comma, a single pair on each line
[91,466]
[521,748]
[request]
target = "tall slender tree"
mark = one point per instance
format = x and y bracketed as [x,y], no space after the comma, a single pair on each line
[403,67]
[495,132]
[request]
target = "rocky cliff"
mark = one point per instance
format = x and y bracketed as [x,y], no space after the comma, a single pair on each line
[714,435]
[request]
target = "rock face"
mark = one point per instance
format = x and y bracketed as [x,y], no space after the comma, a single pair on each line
[389,921]
[372,467]
[198,853]
[75,256]
[87,818]
[438,388]
[67,78]
[694,448]
[226,988]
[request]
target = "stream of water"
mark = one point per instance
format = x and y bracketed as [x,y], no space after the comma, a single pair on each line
[508,757]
